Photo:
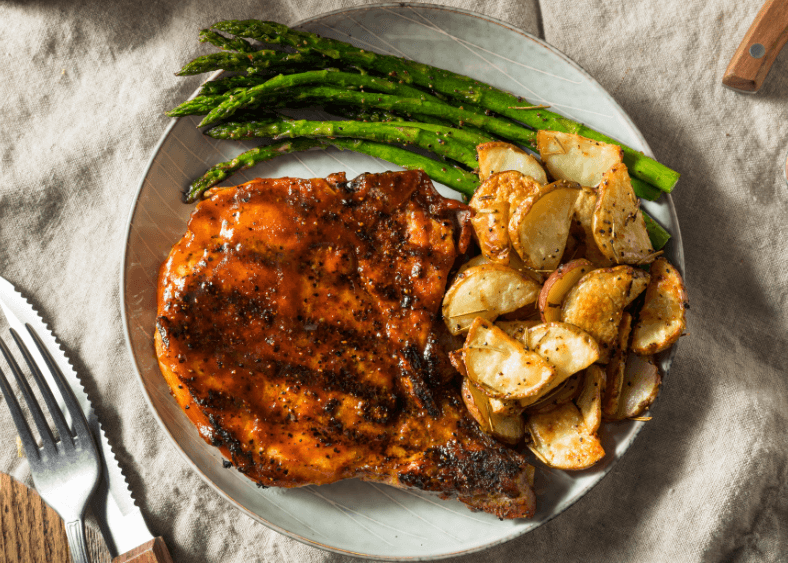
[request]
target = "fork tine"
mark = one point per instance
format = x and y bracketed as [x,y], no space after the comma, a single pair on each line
[57,415]
[77,415]
[47,439]
[28,442]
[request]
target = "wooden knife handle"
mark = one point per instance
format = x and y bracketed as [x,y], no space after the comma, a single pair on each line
[761,45]
[155,551]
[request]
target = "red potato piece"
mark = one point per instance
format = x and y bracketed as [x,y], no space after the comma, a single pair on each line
[491,227]
[557,285]
[662,318]
[475,402]
[615,369]
[577,159]
[497,156]
[590,399]
[501,366]
[641,386]
[567,347]
[517,329]
[486,291]
[506,427]
[515,263]
[596,303]
[539,227]
[561,439]
[584,215]
[493,202]
[618,225]
[456,359]
[567,391]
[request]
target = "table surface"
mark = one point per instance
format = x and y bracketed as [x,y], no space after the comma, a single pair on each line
[83,85]
[31,532]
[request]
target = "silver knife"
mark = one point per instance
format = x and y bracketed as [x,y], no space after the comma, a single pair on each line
[121,522]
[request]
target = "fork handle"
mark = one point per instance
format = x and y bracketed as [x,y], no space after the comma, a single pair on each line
[75,532]
[154,551]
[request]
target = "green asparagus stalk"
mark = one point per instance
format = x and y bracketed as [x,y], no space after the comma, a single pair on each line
[330,94]
[201,105]
[468,134]
[223,85]
[244,161]
[451,176]
[449,83]
[440,140]
[225,43]
[255,62]
[455,178]
[658,235]
[252,96]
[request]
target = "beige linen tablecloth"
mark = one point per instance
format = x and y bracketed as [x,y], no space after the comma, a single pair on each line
[83,86]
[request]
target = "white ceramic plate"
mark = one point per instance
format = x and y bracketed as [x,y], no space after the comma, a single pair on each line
[353,517]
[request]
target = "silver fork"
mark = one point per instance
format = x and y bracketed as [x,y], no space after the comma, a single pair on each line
[65,473]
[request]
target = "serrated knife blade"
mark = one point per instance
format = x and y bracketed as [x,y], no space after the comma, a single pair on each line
[120,520]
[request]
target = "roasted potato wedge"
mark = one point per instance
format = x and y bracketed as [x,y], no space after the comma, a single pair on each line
[498,156]
[501,366]
[493,202]
[491,225]
[557,285]
[577,159]
[504,407]
[567,347]
[585,204]
[596,303]
[615,369]
[486,291]
[641,386]
[515,263]
[539,227]
[590,400]
[507,427]
[619,229]
[662,319]
[476,403]
[475,261]
[517,329]
[566,391]
[561,439]
[457,361]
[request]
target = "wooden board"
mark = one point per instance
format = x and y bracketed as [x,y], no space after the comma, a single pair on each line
[31,532]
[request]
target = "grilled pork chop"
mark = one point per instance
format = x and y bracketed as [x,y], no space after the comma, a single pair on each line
[299,329]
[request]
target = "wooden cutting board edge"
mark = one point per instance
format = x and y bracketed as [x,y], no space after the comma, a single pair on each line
[31,532]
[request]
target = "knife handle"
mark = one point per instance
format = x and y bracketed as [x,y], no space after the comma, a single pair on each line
[761,45]
[155,551]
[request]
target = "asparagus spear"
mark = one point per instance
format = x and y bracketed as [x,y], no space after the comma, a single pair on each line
[225,43]
[416,108]
[659,236]
[452,84]
[222,85]
[254,62]
[201,105]
[441,140]
[252,95]
[455,178]
[394,103]
[243,161]
[468,133]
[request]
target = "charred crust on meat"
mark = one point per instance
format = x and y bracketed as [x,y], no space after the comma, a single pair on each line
[301,321]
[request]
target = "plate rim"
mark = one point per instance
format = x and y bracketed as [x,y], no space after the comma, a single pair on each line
[677,241]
